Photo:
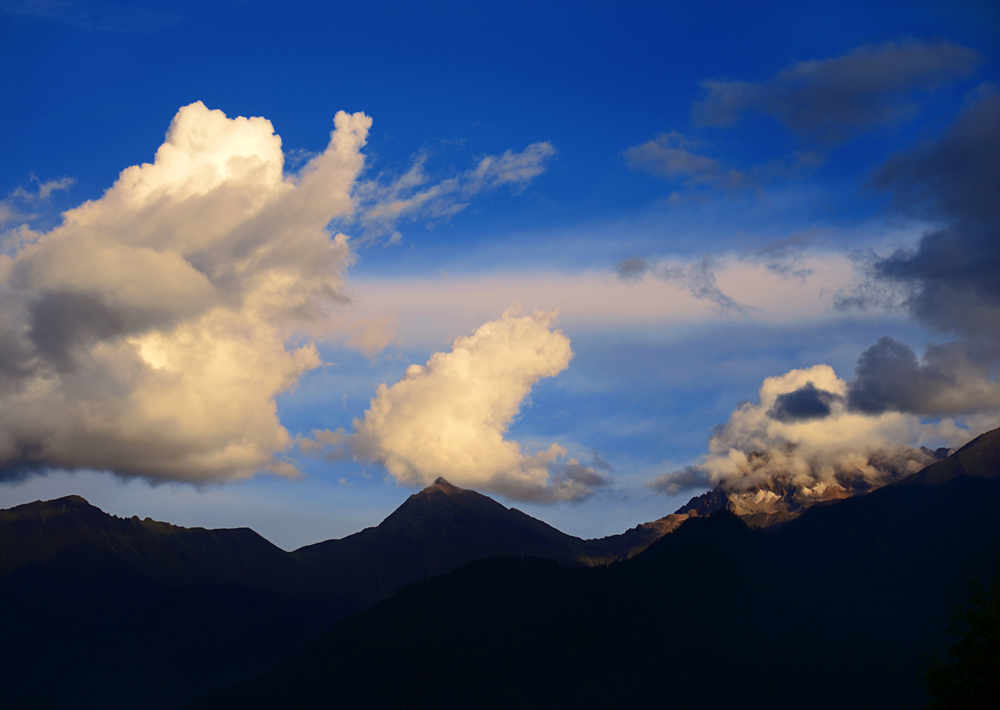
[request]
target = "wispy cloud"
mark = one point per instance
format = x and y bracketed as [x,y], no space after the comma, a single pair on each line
[672,157]
[697,278]
[18,205]
[384,203]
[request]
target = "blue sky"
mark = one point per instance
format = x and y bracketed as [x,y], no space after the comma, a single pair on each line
[695,243]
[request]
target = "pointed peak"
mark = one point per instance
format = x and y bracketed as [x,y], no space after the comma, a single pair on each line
[441,482]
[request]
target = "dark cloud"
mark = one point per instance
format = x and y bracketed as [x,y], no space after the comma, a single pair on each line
[684,480]
[889,377]
[598,462]
[952,275]
[807,402]
[574,474]
[950,281]
[63,322]
[831,99]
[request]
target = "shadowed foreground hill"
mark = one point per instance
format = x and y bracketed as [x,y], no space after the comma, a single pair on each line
[105,612]
[830,610]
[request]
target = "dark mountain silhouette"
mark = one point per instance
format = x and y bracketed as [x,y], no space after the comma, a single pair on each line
[139,613]
[829,610]
[980,458]
[443,527]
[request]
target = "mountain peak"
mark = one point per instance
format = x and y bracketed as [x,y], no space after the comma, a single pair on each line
[442,483]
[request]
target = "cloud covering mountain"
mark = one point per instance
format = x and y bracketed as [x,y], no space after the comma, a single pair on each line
[804,431]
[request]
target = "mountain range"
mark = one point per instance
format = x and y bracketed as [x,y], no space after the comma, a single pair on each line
[139,613]
[93,590]
[831,609]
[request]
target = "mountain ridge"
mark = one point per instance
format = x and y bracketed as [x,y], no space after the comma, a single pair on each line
[225,603]
[837,603]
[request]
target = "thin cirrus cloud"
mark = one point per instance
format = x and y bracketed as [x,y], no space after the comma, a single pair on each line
[449,417]
[12,207]
[430,310]
[415,197]
[832,99]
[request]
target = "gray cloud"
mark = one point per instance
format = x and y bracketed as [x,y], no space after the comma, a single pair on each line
[806,402]
[889,377]
[948,281]
[689,478]
[952,274]
[832,99]
[698,278]
[671,157]
[631,269]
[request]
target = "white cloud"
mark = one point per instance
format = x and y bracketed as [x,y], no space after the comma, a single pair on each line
[370,336]
[431,309]
[414,196]
[149,333]
[449,417]
[803,430]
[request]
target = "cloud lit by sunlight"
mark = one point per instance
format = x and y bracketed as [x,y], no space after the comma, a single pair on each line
[450,416]
[150,333]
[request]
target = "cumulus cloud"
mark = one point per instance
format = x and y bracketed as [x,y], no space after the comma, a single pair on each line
[415,196]
[150,332]
[802,433]
[832,99]
[450,416]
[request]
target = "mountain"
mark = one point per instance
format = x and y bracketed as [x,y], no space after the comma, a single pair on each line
[831,609]
[979,458]
[444,527]
[118,609]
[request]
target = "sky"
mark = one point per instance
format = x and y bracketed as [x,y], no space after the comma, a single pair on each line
[280,266]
